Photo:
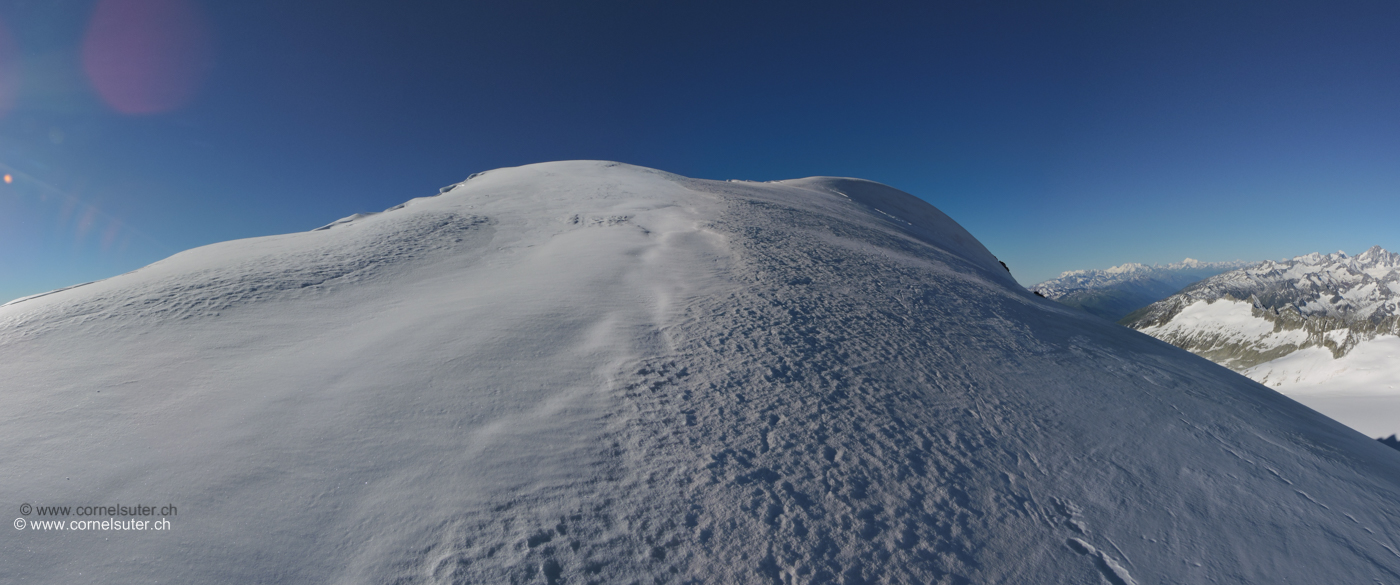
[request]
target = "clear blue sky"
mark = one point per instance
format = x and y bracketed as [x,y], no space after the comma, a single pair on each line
[1064,135]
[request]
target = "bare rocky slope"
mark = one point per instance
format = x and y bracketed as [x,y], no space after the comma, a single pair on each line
[589,372]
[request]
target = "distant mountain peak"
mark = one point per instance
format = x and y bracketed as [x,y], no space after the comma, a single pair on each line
[1114,292]
[1099,278]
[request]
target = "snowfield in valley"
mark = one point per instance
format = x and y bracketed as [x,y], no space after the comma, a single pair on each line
[589,372]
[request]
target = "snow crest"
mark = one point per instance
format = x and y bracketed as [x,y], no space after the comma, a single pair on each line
[589,372]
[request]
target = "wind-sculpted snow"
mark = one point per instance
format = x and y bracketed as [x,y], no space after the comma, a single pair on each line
[625,376]
[206,281]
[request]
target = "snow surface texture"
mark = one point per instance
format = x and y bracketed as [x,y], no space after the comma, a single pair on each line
[1120,290]
[590,372]
[1319,328]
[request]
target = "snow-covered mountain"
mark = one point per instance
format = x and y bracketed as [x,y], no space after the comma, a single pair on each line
[1120,290]
[1313,325]
[590,372]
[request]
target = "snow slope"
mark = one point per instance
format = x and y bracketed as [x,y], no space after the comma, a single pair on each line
[588,372]
[1120,290]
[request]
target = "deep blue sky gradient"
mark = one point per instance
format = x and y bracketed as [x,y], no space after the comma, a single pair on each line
[1063,135]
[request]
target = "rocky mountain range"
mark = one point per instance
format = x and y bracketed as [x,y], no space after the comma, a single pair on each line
[1321,328]
[1333,301]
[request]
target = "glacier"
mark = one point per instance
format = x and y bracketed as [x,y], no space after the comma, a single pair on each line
[591,372]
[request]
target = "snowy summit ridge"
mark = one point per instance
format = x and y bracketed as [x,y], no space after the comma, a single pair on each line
[590,372]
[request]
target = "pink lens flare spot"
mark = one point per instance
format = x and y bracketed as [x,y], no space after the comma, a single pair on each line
[146,56]
[85,223]
[110,234]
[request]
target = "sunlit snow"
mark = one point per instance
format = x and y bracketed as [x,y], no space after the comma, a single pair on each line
[590,372]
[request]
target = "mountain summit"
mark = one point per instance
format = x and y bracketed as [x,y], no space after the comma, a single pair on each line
[589,372]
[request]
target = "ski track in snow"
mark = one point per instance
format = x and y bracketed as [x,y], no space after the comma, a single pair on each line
[594,373]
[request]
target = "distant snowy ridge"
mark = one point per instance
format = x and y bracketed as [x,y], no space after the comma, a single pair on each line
[591,372]
[1117,291]
[1076,279]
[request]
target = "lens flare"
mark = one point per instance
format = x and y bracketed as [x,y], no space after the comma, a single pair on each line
[146,56]
[9,179]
